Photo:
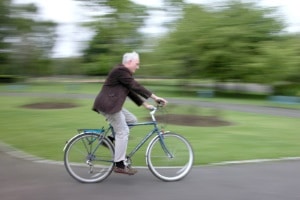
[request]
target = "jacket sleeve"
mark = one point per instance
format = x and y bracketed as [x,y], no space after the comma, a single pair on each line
[133,86]
[135,98]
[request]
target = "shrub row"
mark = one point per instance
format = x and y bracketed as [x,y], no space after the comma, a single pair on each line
[11,79]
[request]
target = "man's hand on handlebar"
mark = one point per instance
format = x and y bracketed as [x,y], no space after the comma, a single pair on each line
[160,101]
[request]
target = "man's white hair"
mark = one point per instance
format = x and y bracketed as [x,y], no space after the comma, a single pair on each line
[130,56]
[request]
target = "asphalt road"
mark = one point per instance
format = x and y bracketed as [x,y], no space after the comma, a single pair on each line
[277,180]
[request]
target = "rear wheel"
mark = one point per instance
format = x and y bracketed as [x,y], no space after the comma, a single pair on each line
[89,157]
[170,157]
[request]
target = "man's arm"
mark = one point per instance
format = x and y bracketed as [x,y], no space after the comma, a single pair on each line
[126,79]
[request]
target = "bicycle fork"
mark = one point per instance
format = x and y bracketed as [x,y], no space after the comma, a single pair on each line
[163,144]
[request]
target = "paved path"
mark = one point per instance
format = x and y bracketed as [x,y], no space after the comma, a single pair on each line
[22,179]
[277,111]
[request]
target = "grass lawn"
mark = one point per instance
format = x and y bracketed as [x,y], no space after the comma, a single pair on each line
[44,132]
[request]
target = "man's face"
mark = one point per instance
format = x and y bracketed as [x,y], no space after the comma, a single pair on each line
[134,65]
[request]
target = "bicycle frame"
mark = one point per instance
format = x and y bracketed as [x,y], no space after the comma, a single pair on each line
[151,133]
[146,138]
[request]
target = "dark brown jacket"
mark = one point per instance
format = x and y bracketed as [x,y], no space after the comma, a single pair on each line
[118,85]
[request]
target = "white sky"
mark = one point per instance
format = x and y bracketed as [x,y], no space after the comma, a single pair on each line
[68,13]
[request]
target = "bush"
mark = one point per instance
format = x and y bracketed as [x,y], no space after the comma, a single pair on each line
[10,79]
[289,89]
[240,95]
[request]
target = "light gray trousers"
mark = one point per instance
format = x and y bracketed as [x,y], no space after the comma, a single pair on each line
[119,122]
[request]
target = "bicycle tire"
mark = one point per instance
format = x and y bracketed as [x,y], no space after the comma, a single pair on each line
[88,157]
[172,167]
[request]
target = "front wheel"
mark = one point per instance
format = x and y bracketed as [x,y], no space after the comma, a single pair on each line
[169,157]
[88,157]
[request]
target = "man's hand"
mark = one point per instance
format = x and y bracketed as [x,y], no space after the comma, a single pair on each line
[159,100]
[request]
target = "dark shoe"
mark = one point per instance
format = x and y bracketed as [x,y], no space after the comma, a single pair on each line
[125,170]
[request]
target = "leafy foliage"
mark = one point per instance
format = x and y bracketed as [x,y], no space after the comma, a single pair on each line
[228,43]
[116,33]
[25,43]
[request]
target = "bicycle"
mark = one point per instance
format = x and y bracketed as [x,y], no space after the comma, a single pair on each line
[88,156]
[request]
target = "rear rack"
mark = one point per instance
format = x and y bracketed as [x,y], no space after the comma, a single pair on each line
[88,130]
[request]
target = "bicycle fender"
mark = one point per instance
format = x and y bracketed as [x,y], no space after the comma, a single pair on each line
[67,142]
[84,131]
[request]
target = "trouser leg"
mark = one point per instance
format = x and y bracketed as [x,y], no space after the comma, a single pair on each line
[119,122]
[129,117]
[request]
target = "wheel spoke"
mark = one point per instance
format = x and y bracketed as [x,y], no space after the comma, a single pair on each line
[170,158]
[87,160]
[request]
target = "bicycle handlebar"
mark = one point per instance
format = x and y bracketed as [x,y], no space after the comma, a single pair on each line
[159,104]
[153,109]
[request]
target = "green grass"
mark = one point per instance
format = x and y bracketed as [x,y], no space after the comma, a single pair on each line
[44,132]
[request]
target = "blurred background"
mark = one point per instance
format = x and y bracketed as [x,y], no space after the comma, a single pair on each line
[241,46]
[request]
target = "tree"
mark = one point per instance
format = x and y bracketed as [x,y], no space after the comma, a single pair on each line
[294,59]
[4,31]
[25,43]
[222,44]
[115,33]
